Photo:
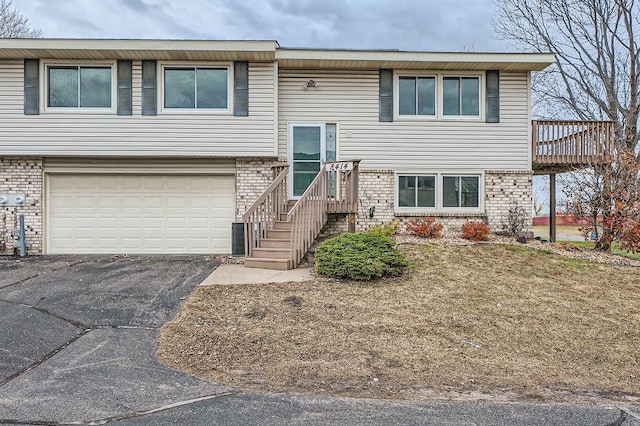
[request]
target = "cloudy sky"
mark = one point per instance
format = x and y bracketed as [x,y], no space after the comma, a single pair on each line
[431,25]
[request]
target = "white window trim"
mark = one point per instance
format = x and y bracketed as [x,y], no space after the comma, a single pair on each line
[439,116]
[439,193]
[396,100]
[481,100]
[196,111]
[44,84]
[478,209]
[415,209]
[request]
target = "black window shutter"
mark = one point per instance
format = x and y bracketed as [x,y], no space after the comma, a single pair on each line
[493,96]
[32,86]
[149,88]
[124,88]
[386,95]
[241,88]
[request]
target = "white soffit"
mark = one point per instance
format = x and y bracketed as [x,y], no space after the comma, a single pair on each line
[362,59]
[191,50]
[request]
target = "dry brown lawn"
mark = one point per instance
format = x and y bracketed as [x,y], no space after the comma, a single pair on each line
[496,320]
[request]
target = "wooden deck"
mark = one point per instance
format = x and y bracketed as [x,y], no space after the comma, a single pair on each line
[562,146]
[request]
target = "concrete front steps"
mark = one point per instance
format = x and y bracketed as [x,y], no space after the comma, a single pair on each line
[275,250]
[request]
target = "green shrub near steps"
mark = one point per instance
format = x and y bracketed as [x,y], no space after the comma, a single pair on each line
[362,256]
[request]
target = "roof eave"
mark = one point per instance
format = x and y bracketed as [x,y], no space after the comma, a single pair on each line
[307,58]
[137,49]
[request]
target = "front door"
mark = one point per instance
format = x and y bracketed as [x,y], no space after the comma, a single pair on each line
[307,153]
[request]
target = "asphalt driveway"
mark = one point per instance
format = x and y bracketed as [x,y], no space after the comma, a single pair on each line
[77,343]
[79,336]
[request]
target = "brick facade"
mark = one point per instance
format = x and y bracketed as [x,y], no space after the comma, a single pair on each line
[22,176]
[506,189]
[502,190]
[253,176]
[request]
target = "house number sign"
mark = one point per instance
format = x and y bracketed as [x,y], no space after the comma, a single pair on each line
[341,166]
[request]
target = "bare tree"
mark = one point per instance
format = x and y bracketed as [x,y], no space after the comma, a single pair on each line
[13,24]
[538,206]
[608,202]
[596,76]
[597,71]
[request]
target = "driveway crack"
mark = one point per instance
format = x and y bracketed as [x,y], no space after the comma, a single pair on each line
[42,273]
[122,416]
[629,412]
[84,329]
[162,408]
[47,312]
[40,361]
[620,420]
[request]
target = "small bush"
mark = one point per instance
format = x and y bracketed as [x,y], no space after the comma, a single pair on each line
[475,231]
[387,230]
[359,257]
[426,227]
[516,220]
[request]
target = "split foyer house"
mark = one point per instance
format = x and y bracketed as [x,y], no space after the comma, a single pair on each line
[160,146]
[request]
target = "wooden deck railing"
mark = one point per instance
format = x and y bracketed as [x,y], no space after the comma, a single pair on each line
[308,216]
[571,144]
[262,215]
[343,186]
[334,190]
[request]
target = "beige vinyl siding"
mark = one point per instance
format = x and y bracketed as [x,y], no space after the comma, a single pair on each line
[187,135]
[350,99]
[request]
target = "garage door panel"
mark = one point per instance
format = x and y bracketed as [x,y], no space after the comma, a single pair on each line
[133,185]
[109,223]
[86,223]
[85,242]
[140,214]
[130,223]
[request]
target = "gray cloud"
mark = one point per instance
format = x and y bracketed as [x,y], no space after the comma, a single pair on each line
[368,24]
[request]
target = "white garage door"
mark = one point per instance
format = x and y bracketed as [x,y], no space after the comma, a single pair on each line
[173,214]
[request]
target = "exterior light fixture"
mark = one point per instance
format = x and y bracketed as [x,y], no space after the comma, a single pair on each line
[311,83]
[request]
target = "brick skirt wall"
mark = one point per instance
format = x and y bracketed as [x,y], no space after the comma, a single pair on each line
[253,176]
[21,176]
[502,190]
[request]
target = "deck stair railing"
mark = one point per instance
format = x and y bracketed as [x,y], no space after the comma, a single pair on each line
[308,215]
[279,232]
[263,214]
[334,190]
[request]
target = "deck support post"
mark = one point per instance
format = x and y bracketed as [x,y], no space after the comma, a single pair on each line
[352,223]
[552,207]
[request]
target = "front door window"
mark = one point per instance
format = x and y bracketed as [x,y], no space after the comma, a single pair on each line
[308,153]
